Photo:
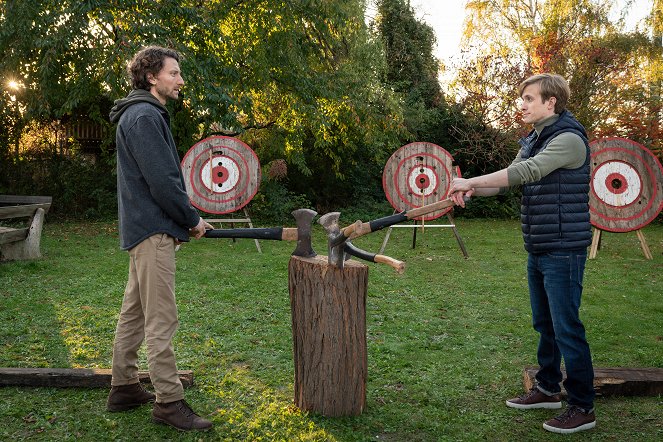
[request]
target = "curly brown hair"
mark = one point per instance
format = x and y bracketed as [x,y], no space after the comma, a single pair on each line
[148,60]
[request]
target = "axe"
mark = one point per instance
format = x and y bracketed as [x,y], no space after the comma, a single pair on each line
[301,234]
[359,228]
[339,247]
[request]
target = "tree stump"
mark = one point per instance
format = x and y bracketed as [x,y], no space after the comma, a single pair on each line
[329,335]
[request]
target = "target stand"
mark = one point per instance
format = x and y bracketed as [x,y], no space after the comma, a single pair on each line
[222,175]
[626,189]
[415,175]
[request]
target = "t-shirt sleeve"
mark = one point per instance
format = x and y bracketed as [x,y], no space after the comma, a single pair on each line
[566,151]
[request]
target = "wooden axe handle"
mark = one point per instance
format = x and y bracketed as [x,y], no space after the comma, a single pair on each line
[428,208]
[358,228]
[352,250]
[399,266]
[290,234]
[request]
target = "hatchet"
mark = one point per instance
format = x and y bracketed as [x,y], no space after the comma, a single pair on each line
[301,234]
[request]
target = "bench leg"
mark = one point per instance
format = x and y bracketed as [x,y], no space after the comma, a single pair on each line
[29,247]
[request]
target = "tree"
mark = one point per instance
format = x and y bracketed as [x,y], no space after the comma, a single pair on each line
[508,40]
[299,79]
[412,71]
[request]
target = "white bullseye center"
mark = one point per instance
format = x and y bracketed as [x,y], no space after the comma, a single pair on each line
[220,175]
[616,183]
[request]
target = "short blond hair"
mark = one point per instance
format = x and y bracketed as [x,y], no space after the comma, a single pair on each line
[552,85]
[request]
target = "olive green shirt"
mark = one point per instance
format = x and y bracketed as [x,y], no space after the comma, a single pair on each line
[565,151]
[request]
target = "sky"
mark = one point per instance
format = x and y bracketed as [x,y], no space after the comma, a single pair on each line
[446,18]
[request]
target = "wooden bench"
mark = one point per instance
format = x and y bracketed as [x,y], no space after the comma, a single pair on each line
[22,242]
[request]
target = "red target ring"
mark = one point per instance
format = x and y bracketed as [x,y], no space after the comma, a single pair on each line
[626,185]
[417,174]
[222,174]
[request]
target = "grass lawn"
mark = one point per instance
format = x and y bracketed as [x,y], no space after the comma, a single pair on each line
[447,340]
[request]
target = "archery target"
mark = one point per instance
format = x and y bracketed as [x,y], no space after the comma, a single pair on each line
[221,174]
[626,185]
[417,174]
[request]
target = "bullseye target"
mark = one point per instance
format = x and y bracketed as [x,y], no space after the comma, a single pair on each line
[221,174]
[626,185]
[418,174]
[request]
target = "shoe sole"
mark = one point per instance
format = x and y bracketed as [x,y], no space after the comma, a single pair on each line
[587,426]
[548,405]
[125,407]
[163,422]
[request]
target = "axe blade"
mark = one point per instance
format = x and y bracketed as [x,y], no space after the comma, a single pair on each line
[335,243]
[304,219]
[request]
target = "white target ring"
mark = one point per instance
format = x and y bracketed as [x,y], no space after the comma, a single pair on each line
[422,180]
[617,183]
[220,175]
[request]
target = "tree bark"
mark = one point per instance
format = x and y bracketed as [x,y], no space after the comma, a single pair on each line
[329,335]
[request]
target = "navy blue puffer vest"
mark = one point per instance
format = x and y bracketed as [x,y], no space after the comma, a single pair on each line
[554,211]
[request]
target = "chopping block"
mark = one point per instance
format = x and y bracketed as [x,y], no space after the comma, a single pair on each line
[328,307]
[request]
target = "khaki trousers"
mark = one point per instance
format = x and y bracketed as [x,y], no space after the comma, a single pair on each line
[149,313]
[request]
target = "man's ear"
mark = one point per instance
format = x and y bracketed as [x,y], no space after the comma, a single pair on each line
[552,101]
[151,79]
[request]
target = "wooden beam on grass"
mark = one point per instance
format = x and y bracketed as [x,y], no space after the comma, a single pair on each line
[619,381]
[72,377]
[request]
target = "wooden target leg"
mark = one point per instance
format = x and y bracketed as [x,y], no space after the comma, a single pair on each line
[414,234]
[328,307]
[643,244]
[246,214]
[596,240]
[386,239]
[459,240]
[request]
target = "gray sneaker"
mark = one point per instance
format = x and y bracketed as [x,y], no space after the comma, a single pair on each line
[574,419]
[535,398]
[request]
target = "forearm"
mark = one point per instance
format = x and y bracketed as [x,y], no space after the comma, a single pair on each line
[484,185]
[486,191]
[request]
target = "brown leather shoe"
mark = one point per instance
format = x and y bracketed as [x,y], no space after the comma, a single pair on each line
[535,398]
[574,419]
[179,414]
[126,397]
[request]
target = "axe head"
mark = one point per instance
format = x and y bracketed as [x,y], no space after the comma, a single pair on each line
[304,218]
[335,239]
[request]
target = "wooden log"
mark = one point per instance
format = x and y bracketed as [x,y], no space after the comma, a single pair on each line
[619,381]
[329,335]
[72,377]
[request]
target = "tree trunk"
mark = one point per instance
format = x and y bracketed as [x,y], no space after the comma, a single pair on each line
[329,335]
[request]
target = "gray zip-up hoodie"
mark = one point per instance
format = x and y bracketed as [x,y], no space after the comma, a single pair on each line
[151,192]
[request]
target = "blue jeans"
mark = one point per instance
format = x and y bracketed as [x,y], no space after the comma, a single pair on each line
[555,286]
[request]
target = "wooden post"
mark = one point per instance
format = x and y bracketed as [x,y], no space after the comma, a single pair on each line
[643,244]
[329,335]
[72,377]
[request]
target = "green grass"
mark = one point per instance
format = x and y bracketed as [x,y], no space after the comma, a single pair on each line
[447,340]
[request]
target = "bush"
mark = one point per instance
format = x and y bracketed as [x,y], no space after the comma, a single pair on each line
[274,203]
[81,188]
